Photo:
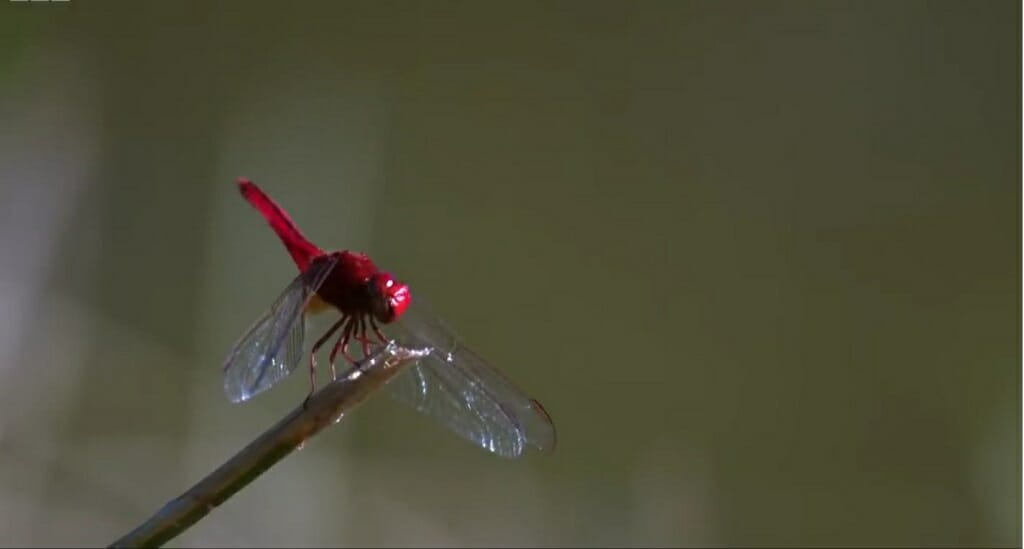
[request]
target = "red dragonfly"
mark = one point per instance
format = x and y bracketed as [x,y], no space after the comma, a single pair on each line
[451,384]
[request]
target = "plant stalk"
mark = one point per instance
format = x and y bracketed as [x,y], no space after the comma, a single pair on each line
[325,407]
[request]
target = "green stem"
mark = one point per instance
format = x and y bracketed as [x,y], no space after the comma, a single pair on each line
[325,407]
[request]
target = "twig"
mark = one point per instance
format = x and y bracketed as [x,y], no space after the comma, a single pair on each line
[325,407]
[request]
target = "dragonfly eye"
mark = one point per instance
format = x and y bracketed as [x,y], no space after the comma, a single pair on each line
[389,298]
[398,298]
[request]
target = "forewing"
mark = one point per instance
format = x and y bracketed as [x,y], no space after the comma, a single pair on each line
[272,347]
[462,391]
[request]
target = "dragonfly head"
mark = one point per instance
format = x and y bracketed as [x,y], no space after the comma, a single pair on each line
[389,297]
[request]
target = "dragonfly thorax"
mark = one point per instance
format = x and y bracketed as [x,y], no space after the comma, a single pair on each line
[356,287]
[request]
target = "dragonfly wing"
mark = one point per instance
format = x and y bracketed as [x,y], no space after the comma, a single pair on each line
[272,347]
[458,388]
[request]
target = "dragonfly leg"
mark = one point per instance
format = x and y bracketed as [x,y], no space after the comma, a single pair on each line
[361,330]
[320,342]
[376,330]
[362,336]
[342,343]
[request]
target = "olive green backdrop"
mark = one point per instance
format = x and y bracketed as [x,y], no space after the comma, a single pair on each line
[759,260]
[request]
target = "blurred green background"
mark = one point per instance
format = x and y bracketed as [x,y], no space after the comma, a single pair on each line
[759,260]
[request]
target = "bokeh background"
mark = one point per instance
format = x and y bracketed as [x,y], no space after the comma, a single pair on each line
[759,260]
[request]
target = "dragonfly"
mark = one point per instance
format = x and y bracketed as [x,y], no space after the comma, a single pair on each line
[450,384]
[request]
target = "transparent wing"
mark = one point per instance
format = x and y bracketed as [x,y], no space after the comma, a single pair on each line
[272,347]
[456,387]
